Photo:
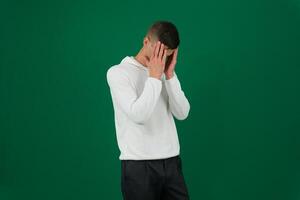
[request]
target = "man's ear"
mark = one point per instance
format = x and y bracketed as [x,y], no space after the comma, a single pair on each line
[146,40]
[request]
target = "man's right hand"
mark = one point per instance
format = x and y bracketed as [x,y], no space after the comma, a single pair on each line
[157,61]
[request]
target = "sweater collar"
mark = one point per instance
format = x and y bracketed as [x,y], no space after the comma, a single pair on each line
[133,61]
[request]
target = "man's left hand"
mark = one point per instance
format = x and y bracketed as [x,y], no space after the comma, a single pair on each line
[169,70]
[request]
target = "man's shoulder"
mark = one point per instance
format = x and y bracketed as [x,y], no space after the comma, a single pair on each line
[115,70]
[117,73]
[120,67]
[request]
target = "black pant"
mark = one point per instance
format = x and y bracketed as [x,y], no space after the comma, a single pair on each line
[160,179]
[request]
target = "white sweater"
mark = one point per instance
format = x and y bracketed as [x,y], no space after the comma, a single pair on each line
[143,111]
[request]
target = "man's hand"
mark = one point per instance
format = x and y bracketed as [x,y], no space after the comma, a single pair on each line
[157,61]
[169,70]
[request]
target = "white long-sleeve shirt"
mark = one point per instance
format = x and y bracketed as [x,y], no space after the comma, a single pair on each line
[143,111]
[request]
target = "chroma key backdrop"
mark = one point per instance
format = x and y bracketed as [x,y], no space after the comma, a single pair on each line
[238,64]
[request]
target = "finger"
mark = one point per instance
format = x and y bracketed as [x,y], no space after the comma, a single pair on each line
[175,53]
[153,52]
[161,51]
[174,58]
[156,49]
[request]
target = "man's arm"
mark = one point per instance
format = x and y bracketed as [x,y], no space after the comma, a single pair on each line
[178,102]
[138,108]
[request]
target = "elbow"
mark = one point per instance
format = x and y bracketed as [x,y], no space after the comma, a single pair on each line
[139,114]
[139,118]
[184,113]
[182,116]
[139,121]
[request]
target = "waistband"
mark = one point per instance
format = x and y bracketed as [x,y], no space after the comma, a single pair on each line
[154,160]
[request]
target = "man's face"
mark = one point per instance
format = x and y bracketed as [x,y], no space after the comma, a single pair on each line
[151,44]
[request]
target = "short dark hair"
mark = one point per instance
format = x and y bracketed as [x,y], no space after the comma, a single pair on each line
[166,32]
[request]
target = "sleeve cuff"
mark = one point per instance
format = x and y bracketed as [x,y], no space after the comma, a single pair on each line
[172,80]
[154,79]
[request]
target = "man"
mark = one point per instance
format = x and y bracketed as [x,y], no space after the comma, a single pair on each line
[146,94]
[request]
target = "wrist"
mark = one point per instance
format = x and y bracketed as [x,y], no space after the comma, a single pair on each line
[169,75]
[155,76]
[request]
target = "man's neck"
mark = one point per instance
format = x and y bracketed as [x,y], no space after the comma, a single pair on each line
[141,58]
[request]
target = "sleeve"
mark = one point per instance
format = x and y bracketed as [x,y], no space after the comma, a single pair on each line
[178,102]
[137,108]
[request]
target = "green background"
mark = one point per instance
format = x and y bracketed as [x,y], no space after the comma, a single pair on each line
[239,65]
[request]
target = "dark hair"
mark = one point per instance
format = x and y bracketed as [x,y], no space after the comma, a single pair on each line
[166,32]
